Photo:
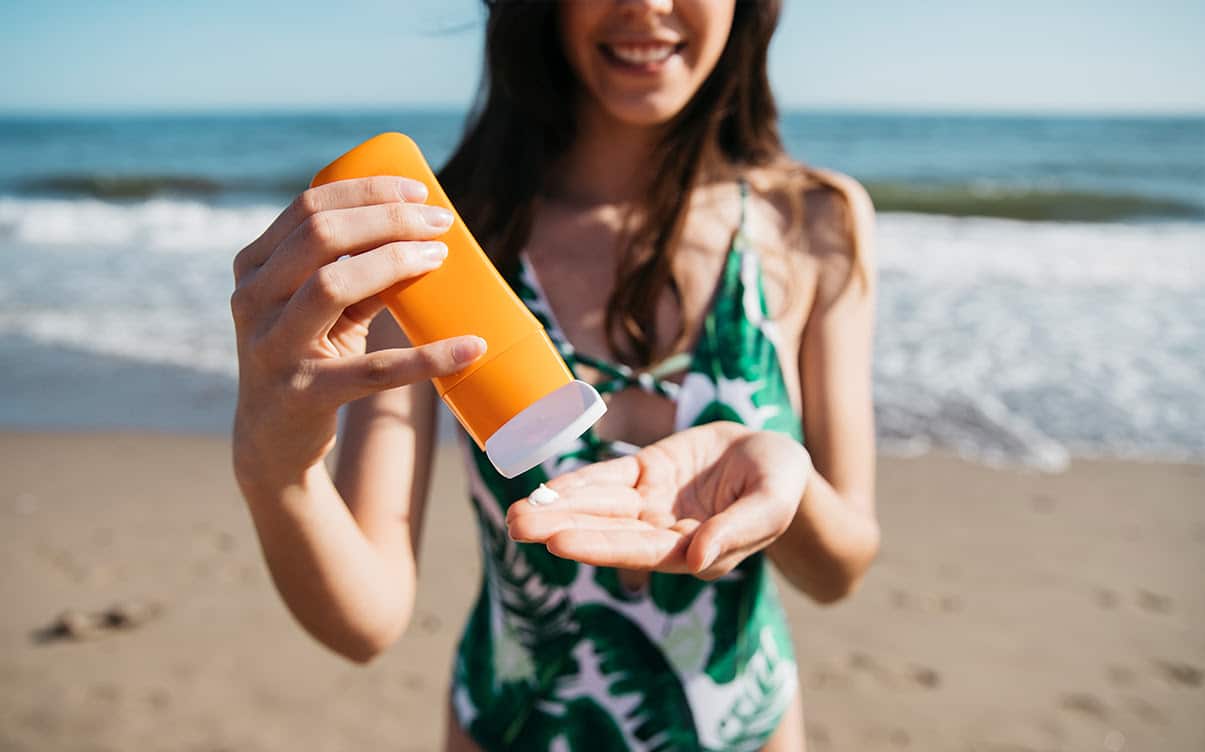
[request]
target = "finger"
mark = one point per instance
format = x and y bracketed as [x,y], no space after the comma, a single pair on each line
[349,333]
[622,471]
[662,549]
[342,380]
[692,449]
[324,237]
[538,528]
[724,565]
[339,285]
[604,500]
[342,194]
[748,526]
[362,314]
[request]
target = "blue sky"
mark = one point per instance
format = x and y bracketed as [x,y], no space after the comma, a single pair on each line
[1025,55]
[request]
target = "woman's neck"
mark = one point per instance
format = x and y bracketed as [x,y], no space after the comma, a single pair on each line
[609,163]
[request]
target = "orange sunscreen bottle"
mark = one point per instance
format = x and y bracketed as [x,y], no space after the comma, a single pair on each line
[518,401]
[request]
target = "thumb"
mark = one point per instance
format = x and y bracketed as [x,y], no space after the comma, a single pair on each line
[744,528]
[344,380]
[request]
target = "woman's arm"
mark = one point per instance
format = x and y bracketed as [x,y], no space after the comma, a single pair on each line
[384,472]
[834,535]
[306,293]
[343,554]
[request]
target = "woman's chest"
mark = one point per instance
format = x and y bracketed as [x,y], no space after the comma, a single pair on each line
[575,260]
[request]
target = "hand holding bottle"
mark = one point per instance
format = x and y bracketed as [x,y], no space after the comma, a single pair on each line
[306,291]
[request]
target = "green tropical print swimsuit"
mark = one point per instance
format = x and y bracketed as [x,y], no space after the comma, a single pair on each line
[559,655]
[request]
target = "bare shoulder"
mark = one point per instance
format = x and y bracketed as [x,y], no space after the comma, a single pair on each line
[829,218]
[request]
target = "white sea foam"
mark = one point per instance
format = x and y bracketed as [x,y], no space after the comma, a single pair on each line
[1012,341]
[960,251]
[1005,341]
[156,225]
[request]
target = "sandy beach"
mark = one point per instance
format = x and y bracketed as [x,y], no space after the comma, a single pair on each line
[1010,612]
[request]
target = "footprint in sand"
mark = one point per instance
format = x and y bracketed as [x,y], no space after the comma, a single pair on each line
[88,625]
[1085,703]
[1154,602]
[868,664]
[1179,672]
[1145,711]
[159,698]
[951,604]
[224,541]
[428,622]
[921,676]
[1107,599]
[925,677]
[1122,676]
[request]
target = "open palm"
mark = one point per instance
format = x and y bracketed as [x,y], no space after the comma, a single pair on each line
[697,502]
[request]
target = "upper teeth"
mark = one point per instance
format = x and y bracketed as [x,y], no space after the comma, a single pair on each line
[642,54]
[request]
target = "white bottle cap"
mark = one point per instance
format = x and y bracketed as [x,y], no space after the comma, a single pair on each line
[547,426]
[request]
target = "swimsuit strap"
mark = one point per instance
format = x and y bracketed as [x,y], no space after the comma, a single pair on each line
[741,240]
[654,378]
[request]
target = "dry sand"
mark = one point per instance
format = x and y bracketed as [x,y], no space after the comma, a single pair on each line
[1009,611]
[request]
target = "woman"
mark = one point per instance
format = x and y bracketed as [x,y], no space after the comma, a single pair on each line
[626,174]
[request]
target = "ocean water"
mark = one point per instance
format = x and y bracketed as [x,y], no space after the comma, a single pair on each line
[1042,280]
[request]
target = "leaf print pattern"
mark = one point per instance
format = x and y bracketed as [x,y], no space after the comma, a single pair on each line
[767,685]
[558,655]
[645,699]
[731,398]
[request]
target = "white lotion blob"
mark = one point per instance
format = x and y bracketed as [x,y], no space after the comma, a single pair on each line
[542,496]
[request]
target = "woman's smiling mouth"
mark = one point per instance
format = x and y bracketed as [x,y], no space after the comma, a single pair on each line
[645,57]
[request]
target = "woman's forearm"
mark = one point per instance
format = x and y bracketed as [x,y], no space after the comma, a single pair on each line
[829,544]
[353,595]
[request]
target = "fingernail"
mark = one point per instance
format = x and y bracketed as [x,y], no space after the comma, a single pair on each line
[468,349]
[412,190]
[437,217]
[433,254]
[710,554]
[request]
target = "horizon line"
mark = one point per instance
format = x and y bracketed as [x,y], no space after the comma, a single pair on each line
[450,108]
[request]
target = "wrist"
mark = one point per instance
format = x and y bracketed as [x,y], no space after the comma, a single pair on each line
[263,474]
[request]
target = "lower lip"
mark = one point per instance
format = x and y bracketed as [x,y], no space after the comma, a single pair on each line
[643,69]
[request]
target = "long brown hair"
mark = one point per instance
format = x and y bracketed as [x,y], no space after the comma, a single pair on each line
[523,122]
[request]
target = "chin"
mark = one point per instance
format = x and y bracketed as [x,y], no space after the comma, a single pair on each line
[645,110]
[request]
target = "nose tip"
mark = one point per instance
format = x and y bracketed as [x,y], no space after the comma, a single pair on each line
[647,6]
